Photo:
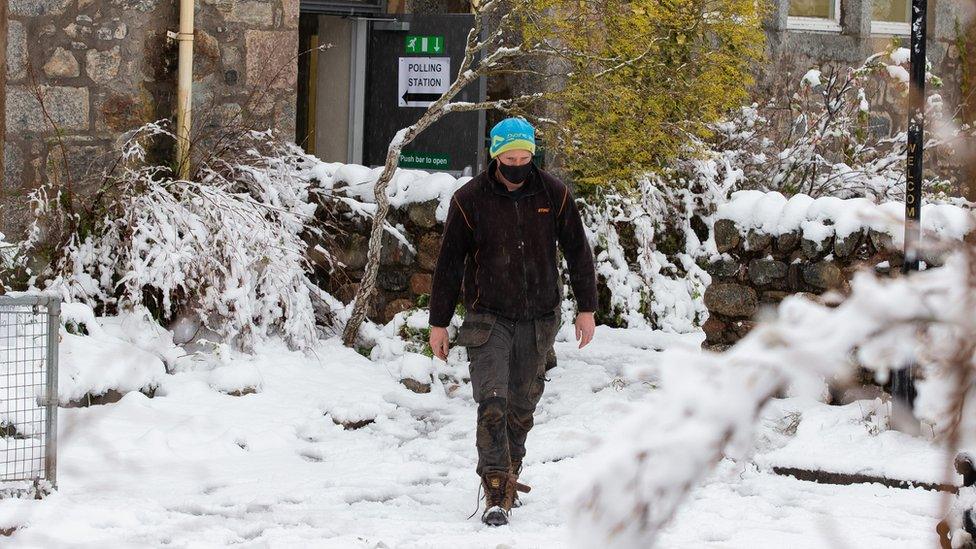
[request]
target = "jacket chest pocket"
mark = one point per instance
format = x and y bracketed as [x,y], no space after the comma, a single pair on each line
[475,330]
[540,223]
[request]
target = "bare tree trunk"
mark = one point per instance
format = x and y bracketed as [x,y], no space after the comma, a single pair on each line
[365,292]
[367,285]
[434,112]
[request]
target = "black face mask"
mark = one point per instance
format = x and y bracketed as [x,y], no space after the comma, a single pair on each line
[515,174]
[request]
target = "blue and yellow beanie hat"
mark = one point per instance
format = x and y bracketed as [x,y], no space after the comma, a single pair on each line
[512,133]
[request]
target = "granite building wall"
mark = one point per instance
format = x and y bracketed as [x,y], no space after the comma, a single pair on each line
[791,51]
[80,73]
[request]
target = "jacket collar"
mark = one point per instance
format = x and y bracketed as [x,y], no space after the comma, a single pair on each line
[532,183]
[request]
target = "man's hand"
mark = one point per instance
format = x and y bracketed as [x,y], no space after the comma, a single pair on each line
[438,342]
[585,326]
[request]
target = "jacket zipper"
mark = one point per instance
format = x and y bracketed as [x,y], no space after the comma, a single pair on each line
[521,247]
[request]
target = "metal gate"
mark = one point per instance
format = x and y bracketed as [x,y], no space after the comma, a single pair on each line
[28,393]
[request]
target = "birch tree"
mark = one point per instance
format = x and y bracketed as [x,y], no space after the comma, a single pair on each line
[492,51]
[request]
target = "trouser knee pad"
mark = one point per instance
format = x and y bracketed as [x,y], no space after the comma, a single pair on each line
[491,422]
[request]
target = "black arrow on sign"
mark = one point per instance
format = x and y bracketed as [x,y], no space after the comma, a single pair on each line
[412,97]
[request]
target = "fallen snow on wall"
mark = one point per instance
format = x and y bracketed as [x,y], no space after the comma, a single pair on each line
[407,187]
[817,219]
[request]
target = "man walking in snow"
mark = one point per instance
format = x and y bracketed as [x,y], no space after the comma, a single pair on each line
[500,239]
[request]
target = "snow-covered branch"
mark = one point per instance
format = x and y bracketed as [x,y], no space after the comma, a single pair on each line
[707,412]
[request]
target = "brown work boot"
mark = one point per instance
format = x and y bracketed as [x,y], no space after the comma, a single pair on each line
[497,501]
[516,469]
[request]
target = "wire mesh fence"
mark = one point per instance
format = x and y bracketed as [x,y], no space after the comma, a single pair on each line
[28,393]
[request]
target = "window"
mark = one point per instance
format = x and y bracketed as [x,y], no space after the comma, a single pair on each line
[814,15]
[891,17]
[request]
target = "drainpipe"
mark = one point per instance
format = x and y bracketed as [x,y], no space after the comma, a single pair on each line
[184,89]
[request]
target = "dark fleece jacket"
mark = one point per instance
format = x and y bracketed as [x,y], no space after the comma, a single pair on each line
[504,250]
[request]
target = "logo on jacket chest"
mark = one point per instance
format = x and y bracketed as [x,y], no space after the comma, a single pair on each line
[543,210]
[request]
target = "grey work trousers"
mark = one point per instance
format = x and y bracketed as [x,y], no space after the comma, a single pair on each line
[508,374]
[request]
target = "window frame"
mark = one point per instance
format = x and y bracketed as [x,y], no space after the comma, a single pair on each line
[892,28]
[815,24]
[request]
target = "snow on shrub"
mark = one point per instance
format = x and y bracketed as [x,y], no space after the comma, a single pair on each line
[356,183]
[225,247]
[645,469]
[6,252]
[646,249]
[125,356]
[828,135]
[819,218]
[123,353]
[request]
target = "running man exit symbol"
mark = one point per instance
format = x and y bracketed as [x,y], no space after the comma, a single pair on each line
[424,44]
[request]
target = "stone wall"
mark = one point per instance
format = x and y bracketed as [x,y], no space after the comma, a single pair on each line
[405,274]
[104,67]
[793,52]
[758,266]
[761,270]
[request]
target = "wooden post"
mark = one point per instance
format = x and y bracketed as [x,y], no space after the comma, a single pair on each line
[184,89]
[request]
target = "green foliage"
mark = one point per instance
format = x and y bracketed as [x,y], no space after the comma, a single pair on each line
[418,340]
[646,76]
[365,351]
[967,84]
[75,328]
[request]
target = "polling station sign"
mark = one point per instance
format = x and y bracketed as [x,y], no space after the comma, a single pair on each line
[422,80]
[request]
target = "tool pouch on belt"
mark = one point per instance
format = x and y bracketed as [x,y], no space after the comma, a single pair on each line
[475,330]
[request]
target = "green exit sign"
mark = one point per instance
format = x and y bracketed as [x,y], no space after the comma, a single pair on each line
[424,44]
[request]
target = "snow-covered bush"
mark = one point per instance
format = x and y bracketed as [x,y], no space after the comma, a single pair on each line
[823,140]
[647,243]
[226,247]
[647,467]
[830,134]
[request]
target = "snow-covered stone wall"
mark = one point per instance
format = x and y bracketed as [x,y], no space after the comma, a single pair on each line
[770,247]
[642,282]
[419,202]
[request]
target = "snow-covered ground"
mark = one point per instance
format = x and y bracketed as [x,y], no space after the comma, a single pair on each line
[196,467]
